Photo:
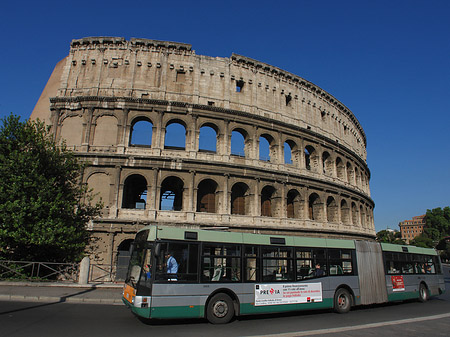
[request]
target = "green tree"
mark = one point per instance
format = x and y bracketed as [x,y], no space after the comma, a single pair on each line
[43,207]
[390,237]
[438,219]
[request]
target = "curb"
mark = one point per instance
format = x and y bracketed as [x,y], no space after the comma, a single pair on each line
[49,299]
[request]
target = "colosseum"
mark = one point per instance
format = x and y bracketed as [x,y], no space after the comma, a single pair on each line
[176,138]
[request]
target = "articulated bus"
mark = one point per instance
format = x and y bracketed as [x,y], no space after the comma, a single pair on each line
[186,273]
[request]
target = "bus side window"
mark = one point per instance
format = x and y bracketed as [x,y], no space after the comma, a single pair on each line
[251,266]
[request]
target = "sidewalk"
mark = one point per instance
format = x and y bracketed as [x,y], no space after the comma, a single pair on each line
[61,292]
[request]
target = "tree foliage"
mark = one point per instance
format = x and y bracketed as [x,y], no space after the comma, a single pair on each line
[390,237]
[43,207]
[436,228]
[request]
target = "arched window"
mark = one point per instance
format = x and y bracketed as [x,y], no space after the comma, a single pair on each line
[238,142]
[264,149]
[350,174]
[327,164]
[123,258]
[175,136]
[332,210]
[239,199]
[310,154]
[208,139]
[267,195]
[340,168]
[293,204]
[315,207]
[141,132]
[288,153]
[355,215]
[206,196]
[345,212]
[135,192]
[171,194]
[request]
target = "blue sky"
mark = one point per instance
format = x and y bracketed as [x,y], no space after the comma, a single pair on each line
[387,61]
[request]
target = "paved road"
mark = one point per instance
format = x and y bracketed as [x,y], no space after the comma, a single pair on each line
[20,319]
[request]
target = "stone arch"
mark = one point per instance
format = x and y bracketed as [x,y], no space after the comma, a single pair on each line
[123,258]
[141,133]
[293,204]
[134,192]
[332,210]
[327,164]
[175,137]
[240,199]
[315,207]
[290,152]
[268,205]
[350,173]
[171,198]
[99,182]
[362,214]
[208,134]
[355,215]
[240,142]
[357,177]
[340,168]
[345,212]
[70,130]
[311,158]
[206,196]
[267,148]
[105,131]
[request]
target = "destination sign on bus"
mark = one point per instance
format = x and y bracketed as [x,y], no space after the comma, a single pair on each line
[287,293]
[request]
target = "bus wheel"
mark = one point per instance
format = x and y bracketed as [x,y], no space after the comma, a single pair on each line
[423,293]
[220,309]
[342,301]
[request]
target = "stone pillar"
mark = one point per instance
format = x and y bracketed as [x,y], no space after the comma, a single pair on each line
[83,278]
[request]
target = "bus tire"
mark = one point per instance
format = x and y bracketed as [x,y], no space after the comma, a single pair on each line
[342,301]
[423,293]
[220,309]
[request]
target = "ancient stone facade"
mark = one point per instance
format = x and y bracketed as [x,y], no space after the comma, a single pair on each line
[141,111]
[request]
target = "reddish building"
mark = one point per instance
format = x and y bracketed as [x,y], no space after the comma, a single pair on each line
[412,228]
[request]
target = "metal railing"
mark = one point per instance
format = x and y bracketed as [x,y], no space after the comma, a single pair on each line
[38,271]
[54,272]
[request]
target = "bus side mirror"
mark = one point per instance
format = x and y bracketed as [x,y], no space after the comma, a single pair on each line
[158,250]
[132,246]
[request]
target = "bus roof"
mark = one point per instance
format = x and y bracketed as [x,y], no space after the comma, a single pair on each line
[215,235]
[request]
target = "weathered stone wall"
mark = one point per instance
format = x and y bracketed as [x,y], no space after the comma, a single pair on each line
[107,86]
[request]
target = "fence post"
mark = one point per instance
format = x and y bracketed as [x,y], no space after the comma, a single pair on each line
[84,271]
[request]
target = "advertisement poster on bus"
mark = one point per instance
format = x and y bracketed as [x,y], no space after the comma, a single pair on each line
[397,283]
[273,294]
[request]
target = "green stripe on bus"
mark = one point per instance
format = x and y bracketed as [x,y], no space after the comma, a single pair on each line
[403,295]
[178,312]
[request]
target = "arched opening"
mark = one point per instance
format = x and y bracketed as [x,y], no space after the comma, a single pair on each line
[315,207]
[362,215]
[239,199]
[350,174]
[288,156]
[141,132]
[238,137]
[208,139]
[206,196]
[123,258]
[355,215]
[345,212]
[293,204]
[327,164]
[264,148]
[267,195]
[171,194]
[175,137]
[332,210]
[310,158]
[135,192]
[340,169]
